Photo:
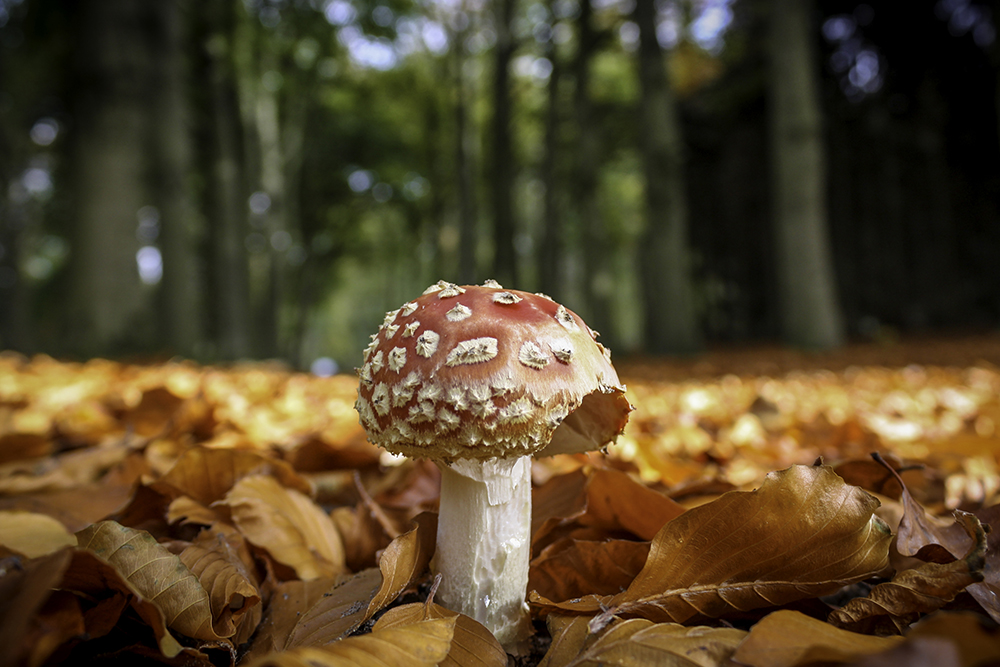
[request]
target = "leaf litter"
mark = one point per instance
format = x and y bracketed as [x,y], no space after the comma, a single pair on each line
[189,515]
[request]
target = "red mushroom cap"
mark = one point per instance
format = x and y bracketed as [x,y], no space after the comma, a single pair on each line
[482,372]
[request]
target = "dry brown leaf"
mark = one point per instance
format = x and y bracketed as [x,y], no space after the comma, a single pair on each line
[155,573]
[288,602]
[290,526]
[98,579]
[58,621]
[569,633]
[920,532]
[33,535]
[352,603]
[572,568]
[975,644]
[421,644]
[639,642]
[802,534]
[789,638]
[220,560]
[892,606]
[616,501]
[23,592]
[207,475]
[472,646]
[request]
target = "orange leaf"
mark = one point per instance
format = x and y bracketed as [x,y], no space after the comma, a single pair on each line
[290,526]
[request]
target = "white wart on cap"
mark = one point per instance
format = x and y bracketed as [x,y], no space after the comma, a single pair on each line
[482,372]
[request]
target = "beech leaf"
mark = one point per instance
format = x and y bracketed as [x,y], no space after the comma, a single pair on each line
[158,575]
[217,558]
[207,475]
[571,568]
[804,533]
[789,638]
[472,645]
[892,606]
[640,642]
[289,525]
[422,644]
[32,535]
[353,602]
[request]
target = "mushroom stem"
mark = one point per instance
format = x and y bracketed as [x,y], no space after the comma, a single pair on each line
[483,544]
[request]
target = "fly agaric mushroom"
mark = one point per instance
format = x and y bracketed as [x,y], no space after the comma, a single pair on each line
[479,379]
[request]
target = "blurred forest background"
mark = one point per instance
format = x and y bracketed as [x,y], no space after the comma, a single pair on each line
[264,178]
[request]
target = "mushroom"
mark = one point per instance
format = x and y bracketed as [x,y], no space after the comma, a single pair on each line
[479,379]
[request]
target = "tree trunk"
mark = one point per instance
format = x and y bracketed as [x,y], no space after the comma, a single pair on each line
[231,293]
[553,245]
[505,257]
[671,324]
[468,236]
[181,289]
[811,316]
[108,303]
[598,283]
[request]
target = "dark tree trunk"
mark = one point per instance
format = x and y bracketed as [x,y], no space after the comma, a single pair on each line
[231,293]
[180,233]
[468,233]
[598,282]
[665,259]
[108,304]
[504,257]
[553,245]
[811,315]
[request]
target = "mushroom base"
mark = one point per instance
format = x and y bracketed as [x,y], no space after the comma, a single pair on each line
[484,542]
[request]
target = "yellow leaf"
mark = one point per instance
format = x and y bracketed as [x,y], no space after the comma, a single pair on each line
[472,645]
[32,534]
[207,475]
[640,642]
[290,526]
[804,533]
[789,638]
[157,575]
[422,644]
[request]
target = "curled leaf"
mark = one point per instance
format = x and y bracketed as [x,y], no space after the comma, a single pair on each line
[472,645]
[789,639]
[32,534]
[290,526]
[422,644]
[892,606]
[803,533]
[638,642]
[155,573]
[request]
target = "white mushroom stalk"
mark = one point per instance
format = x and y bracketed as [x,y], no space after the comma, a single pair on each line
[484,543]
[479,379]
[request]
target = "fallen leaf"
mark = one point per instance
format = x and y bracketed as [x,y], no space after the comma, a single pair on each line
[346,607]
[290,526]
[421,644]
[472,644]
[23,592]
[789,638]
[571,568]
[288,602]
[568,636]
[99,580]
[155,573]
[804,533]
[57,622]
[639,642]
[616,501]
[975,644]
[220,560]
[33,535]
[207,475]
[892,606]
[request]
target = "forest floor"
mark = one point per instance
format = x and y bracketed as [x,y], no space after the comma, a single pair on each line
[194,515]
